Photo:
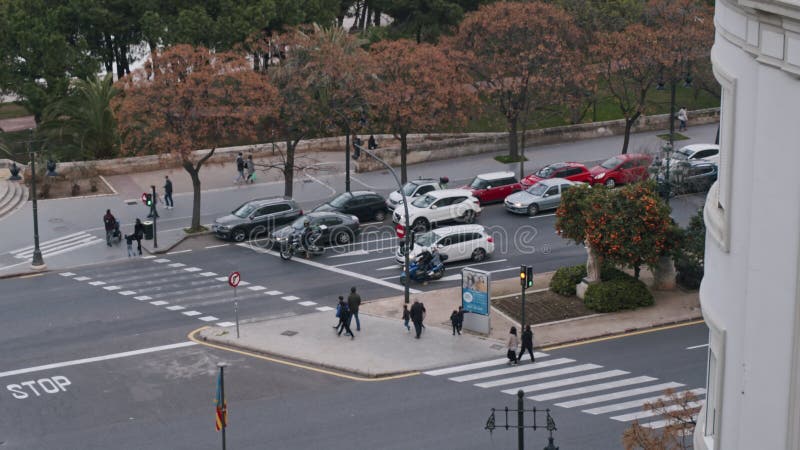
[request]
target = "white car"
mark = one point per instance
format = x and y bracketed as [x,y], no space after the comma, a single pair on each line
[695,152]
[438,207]
[415,188]
[458,242]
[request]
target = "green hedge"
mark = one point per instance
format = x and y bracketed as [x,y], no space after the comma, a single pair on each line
[565,278]
[615,295]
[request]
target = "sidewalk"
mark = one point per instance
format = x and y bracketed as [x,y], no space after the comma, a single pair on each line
[384,347]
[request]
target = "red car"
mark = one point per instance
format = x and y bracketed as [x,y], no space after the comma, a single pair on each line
[569,170]
[622,169]
[493,187]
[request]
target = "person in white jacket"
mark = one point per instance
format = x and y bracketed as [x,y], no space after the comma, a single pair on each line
[513,343]
[683,117]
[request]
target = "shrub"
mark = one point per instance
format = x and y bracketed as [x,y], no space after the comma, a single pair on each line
[610,273]
[615,295]
[689,254]
[565,279]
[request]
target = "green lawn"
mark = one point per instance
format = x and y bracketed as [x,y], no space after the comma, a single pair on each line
[12,110]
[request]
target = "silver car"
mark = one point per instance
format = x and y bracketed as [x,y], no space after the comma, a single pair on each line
[545,194]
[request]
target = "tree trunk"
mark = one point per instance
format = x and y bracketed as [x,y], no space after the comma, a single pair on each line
[376,21]
[513,148]
[288,168]
[194,173]
[347,159]
[363,17]
[359,5]
[403,154]
[636,269]
[628,125]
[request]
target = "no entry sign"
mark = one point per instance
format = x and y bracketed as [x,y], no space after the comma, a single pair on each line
[234,278]
[400,230]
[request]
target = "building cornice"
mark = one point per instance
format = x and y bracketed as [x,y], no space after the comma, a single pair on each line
[755,27]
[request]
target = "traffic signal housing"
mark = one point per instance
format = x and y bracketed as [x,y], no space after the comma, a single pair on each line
[147,199]
[525,276]
[529,276]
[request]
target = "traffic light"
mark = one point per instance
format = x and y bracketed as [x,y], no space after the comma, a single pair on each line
[147,199]
[525,276]
[529,276]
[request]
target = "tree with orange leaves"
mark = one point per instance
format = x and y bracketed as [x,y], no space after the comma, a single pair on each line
[185,99]
[679,410]
[416,88]
[521,54]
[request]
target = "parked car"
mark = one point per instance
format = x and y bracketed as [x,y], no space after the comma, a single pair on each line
[440,206]
[689,176]
[493,187]
[622,169]
[365,205]
[458,242]
[256,217]
[415,188]
[696,152]
[569,170]
[335,228]
[542,196]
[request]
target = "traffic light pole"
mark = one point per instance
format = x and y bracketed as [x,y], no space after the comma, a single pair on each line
[154,213]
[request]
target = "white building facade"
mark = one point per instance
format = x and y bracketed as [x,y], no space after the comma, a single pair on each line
[750,294]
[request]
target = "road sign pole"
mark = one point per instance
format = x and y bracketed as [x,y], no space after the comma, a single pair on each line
[225,407]
[522,324]
[155,218]
[236,311]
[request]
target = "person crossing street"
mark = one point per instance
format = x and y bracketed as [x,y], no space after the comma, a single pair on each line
[168,192]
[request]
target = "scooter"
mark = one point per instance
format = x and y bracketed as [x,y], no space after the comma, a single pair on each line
[416,273]
[295,246]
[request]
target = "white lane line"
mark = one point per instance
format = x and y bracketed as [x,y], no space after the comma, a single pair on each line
[514,369]
[126,292]
[697,346]
[216,246]
[538,216]
[360,252]
[76,362]
[225,324]
[307,303]
[193,269]
[112,288]
[619,395]
[147,257]
[290,298]
[208,274]
[338,270]
[364,261]
[81,278]
[393,266]
[191,313]
[143,298]
[494,261]
[161,260]
[324,308]
[66,274]
[638,403]
[568,381]
[97,283]
[539,375]
[504,270]
[176,265]
[159,303]
[208,318]
[256,288]
[179,252]
[273,293]
[591,388]
[175,307]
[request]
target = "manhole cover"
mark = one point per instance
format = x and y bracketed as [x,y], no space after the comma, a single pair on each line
[289,333]
[497,347]
[55,220]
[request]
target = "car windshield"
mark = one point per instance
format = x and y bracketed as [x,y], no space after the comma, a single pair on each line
[426,239]
[545,172]
[339,201]
[244,210]
[409,188]
[681,154]
[298,224]
[424,202]
[611,163]
[537,189]
[479,183]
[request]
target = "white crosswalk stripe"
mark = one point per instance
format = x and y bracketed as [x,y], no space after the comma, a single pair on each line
[592,388]
[566,382]
[661,387]
[539,375]
[59,245]
[515,369]
[638,415]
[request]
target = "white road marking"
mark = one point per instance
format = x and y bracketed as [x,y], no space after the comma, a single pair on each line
[112,288]
[645,414]
[215,246]
[126,292]
[179,252]
[568,381]
[208,318]
[175,307]
[539,375]
[353,253]
[225,324]
[466,367]
[393,266]
[159,303]
[81,278]
[193,269]
[619,395]
[97,283]
[208,274]
[256,288]
[161,260]
[364,261]
[221,278]
[147,257]
[66,274]
[191,313]
[58,246]
[176,265]
[324,308]
[514,369]
[76,362]
[307,303]
[273,293]
[697,346]
[469,264]
[143,298]
[538,216]
[243,283]
[591,388]
[290,298]
[658,423]
[638,403]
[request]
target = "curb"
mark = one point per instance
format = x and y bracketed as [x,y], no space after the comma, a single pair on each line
[649,327]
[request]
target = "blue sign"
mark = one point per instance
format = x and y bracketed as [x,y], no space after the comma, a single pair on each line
[475,291]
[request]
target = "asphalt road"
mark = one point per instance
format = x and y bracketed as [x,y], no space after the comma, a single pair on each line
[162,397]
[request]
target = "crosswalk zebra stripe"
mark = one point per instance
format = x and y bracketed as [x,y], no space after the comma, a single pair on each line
[175,307]
[221,278]
[307,303]
[539,375]
[645,414]
[81,278]
[208,274]
[515,369]
[159,303]
[256,288]
[567,381]
[226,324]
[112,288]
[591,388]
[638,403]
[191,313]
[193,269]
[161,260]
[142,298]
[273,293]
[97,283]
[126,292]
[59,249]
[43,243]
[208,318]
[147,257]
[324,308]
[473,366]
[66,274]
[659,423]
[176,265]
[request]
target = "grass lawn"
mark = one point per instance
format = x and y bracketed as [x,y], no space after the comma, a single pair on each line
[12,110]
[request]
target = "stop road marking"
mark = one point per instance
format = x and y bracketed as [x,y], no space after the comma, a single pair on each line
[52,385]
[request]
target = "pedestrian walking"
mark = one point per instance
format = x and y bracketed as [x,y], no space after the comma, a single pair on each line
[168,192]
[239,169]
[138,234]
[251,169]
[371,143]
[454,322]
[354,302]
[339,312]
[109,222]
[129,244]
[460,323]
[527,344]
[344,319]
[417,313]
[406,317]
[512,344]
[683,117]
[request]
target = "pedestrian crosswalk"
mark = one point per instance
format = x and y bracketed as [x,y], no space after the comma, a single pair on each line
[58,246]
[183,288]
[566,383]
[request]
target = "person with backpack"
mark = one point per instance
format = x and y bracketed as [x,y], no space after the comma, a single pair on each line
[527,344]
[109,222]
[344,319]
[138,234]
[239,169]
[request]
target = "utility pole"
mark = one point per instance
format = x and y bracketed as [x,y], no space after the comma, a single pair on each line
[154,214]
[550,424]
[37,263]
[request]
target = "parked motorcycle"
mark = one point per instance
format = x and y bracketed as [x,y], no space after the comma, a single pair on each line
[417,273]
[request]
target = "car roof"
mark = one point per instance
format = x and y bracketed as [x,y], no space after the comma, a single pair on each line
[444,231]
[358,193]
[628,156]
[269,200]
[441,193]
[424,181]
[555,181]
[313,214]
[495,175]
[697,147]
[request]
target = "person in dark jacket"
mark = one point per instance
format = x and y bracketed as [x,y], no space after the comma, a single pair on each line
[109,222]
[406,317]
[417,316]
[460,323]
[372,144]
[239,169]
[129,244]
[454,322]
[527,344]
[354,302]
[138,234]
[168,192]
[344,319]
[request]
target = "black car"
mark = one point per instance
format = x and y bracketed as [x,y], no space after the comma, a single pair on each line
[365,205]
[256,218]
[335,228]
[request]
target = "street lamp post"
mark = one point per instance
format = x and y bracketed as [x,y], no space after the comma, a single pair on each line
[37,263]
[407,236]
